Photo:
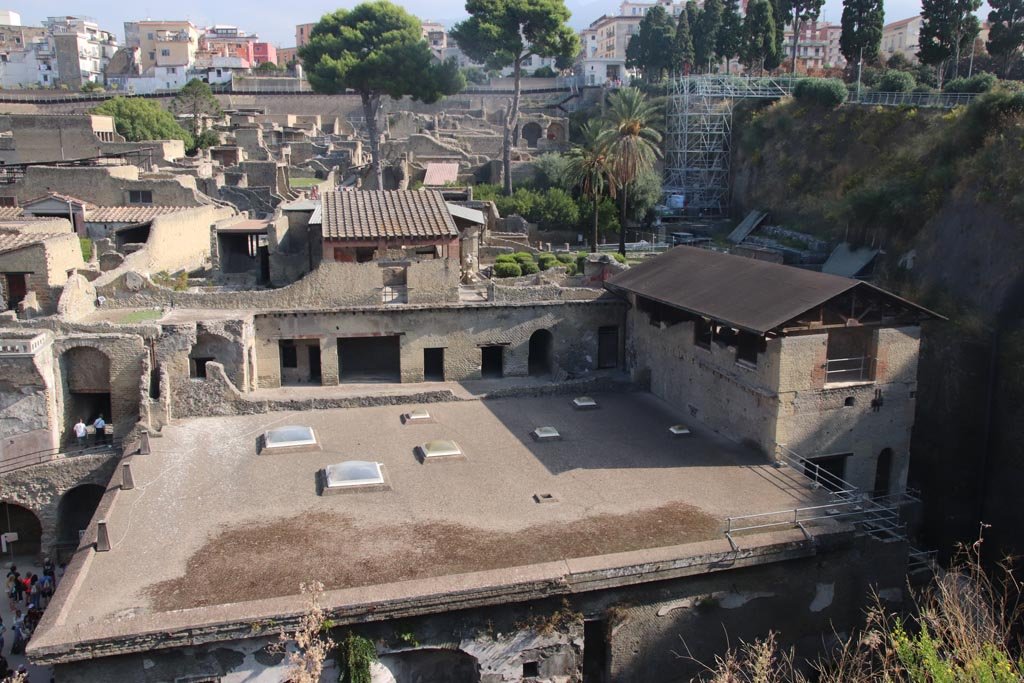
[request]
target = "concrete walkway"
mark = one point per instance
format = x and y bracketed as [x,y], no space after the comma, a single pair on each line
[36,674]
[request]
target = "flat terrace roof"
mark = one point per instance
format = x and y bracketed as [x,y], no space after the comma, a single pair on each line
[214,532]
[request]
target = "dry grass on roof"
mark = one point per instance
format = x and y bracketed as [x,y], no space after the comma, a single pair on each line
[260,561]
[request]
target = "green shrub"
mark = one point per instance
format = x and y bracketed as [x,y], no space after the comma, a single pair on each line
[505,258]
[555,210]
[547,260]
[896,81]
[529,267]
[86,244]
[523,257]
[565,257]
[504,269]
[581,258]
[821,92]
[978,83]
[545,72]
[618,257]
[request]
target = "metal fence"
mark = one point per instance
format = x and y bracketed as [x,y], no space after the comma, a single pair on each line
[939,100]
[18,462]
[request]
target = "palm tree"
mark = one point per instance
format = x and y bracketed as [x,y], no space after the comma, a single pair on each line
[591,170]
[632,142]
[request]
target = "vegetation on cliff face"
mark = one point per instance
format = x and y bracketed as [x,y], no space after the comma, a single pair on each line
[878,175]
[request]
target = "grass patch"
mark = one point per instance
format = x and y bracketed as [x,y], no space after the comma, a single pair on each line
[142,316]
[304,182]
[86,248]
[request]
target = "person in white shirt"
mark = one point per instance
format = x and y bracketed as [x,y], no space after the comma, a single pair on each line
[80,432]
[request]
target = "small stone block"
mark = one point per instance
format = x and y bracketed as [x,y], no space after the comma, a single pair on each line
[417,416]
[545,498]
[679,430]
[584,403]
[546,434]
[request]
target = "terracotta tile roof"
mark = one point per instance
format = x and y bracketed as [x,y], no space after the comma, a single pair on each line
[141,213]
[8,212]
[11,240]
[439,174]
[376,214]
[62,197]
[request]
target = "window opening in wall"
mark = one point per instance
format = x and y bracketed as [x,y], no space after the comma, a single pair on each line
[198,367]
[595,650]
[658,313]
[850,355]
[140,196]
[703,333]
[748,346]
[608,347]
[849,402]
[829,471]
[531,669]
[364,254]
[8,201]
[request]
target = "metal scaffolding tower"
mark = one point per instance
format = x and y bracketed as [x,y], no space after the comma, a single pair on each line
[699,133]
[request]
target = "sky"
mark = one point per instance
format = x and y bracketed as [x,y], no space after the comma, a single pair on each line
[275,21]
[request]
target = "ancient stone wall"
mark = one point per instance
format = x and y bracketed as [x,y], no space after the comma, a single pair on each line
[461,332]
[105,186]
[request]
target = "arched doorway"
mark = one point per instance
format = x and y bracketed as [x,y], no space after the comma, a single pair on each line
[883,473]
[539,362]
[213,347]
[532,133]
[75,511]
[86,382]
[428,666]
[22,521]
[556,131]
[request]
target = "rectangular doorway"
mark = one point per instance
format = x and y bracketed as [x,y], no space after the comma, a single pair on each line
[608,347]
[828,470]
[370,359]
[492,362]
[595,650]
[433,365]
[300,361]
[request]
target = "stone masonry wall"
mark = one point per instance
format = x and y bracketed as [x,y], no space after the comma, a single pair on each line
[105,185]
[460,331]
[40,487]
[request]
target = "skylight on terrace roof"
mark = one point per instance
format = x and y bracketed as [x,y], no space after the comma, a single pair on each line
[353,473]
[290,437]
[440,448]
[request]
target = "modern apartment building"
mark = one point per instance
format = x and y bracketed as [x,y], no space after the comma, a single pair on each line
[81,49]
[902,37]
[163,43]
[817,46]
[302,32]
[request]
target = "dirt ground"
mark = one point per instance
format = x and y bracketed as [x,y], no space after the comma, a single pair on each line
[266,561]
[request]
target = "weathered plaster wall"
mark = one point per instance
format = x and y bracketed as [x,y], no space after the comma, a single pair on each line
[105,185]
[460,331]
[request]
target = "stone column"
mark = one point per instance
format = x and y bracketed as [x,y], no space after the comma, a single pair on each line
[329,371]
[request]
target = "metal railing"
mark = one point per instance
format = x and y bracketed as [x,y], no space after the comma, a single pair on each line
[839,370]
[24,460]
[939,100]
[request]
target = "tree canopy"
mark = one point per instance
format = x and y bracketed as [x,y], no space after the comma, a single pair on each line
[705,33]
[647,48]
[799,12]
[376,49]
[684,54]
[729,42]
[760,48]
[862,29]
[139,119]
[1006,35]
[947,27]
[501,33]
[196,101]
